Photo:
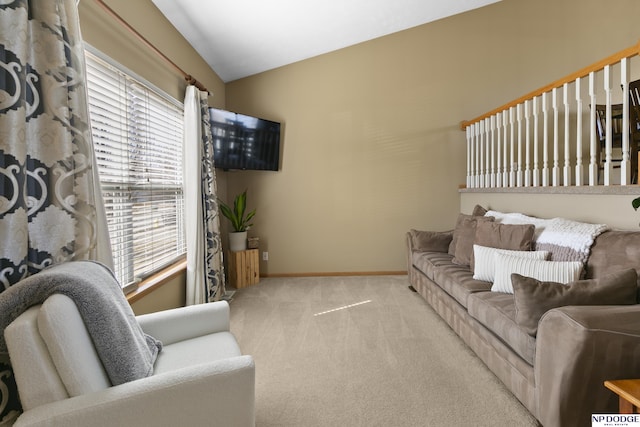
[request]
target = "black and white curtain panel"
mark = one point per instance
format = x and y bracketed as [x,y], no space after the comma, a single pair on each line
[205,271]
[51,209]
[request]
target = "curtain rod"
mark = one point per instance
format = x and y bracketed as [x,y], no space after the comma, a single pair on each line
[188,77]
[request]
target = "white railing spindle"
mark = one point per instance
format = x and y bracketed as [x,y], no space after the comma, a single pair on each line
[519,118]
[593,140]
[493,151]
[499,150]
[608,165]
[505,149]
[482,163]
[490,152]
[468,132]
[536,145]
[512,174]
[487,153]
[527,144]
[476,150]
[579,168]
[625,166]
[566,175]
[556,155]
[545,141]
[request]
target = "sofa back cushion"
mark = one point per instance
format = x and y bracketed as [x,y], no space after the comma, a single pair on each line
[613,251]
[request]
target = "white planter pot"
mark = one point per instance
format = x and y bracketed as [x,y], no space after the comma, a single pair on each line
[238,241]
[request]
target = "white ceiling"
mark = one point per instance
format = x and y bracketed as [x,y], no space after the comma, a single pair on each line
[239,38]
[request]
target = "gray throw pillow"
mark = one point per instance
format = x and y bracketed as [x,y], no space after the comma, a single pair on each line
[533,297]
[477,211]
[514,237]
[464,236]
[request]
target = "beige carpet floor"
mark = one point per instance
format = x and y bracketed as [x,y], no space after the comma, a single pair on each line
[362,351]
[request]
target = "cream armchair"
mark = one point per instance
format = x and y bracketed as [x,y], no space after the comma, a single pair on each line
[200,378]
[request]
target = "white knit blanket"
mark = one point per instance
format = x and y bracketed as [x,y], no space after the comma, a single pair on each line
[569,240]
[565,239]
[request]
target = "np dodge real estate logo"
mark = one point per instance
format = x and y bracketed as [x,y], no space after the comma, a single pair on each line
[615,420]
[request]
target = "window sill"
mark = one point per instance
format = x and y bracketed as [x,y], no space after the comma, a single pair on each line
[156,281]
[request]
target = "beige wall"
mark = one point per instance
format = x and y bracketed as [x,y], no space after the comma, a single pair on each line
[372,145]
[170,295]
[612,209]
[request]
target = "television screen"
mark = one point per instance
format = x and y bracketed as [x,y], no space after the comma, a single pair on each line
[244,142]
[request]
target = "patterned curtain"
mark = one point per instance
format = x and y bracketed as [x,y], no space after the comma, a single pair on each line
[205,271]
[51,209]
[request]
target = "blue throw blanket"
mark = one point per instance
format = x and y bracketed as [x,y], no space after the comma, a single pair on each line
[126,352]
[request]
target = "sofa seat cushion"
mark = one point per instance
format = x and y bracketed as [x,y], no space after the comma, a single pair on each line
[195,351]
[426,262]
[497,312]
[457,281]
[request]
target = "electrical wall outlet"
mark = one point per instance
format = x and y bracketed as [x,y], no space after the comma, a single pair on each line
[265,256]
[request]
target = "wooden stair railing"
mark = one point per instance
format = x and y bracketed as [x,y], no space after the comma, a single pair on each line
[510,146]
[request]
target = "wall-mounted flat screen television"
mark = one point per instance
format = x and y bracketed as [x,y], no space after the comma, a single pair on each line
[244,142]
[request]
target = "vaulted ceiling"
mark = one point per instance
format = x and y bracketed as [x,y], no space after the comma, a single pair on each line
[239,38]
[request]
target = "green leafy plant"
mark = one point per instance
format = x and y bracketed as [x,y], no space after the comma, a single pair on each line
[636,203]
[239,221]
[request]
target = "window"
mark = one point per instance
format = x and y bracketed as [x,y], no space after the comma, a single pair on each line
[137,136]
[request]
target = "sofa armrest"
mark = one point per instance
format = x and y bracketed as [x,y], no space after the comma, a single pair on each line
[220,393]
[577,349]
[179,324]
[429,241]
[425,241]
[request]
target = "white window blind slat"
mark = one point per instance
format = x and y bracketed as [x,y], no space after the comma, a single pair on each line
[137,134]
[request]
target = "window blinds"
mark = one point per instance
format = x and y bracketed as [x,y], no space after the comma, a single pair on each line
[137,135]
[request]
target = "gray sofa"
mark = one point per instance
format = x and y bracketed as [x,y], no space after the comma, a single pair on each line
[558,371]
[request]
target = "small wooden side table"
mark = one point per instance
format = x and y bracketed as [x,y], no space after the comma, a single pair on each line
[628,392]
[244,268]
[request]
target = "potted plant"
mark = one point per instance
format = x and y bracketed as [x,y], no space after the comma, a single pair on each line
[239,221]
